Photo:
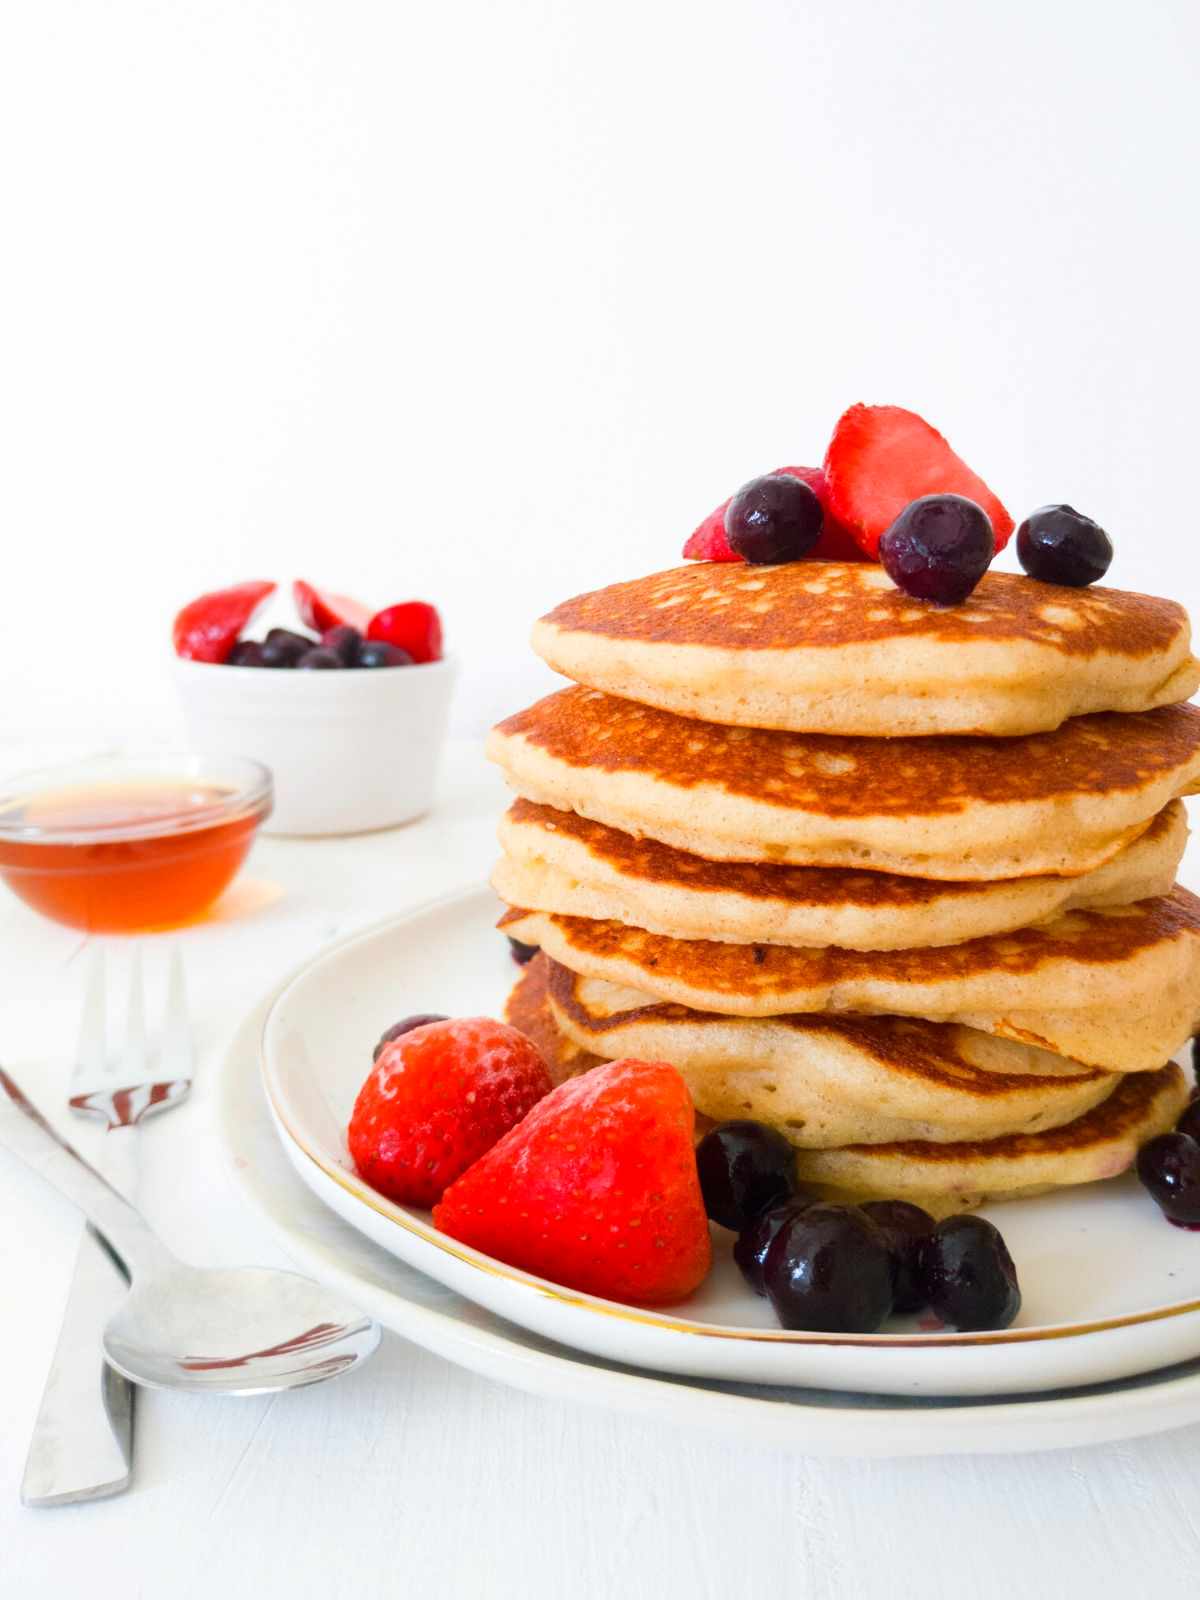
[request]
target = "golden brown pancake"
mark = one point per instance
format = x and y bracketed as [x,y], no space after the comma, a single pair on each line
[1117,989]
[950,1177]
[527,1008]
[830,647]
[828,1081]
[561,862]
[946,808]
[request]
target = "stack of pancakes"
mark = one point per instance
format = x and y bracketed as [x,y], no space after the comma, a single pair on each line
[896,880]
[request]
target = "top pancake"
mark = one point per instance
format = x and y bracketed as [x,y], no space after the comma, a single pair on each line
[946,808]
[833,647]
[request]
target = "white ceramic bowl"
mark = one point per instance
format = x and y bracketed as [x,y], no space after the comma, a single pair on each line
[350,751]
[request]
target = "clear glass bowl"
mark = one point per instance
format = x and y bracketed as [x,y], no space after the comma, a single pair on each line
[132,842]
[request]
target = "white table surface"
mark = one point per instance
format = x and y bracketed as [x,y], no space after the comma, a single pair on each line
[414,1478]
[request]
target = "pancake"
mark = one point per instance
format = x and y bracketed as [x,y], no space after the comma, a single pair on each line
[950,1177]
[1117,989]
[831,1081]
[832,647]
[1058,803]
[560,862]
[528,1009]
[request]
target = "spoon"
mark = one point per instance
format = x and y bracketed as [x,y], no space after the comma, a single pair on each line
[241,1330]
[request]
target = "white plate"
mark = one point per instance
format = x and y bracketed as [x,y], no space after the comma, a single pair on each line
[1110,1289]
[817,1422]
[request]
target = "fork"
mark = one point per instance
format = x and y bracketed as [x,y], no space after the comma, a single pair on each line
[82,1445]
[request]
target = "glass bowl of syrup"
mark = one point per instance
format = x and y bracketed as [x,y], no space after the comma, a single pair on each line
[130,843]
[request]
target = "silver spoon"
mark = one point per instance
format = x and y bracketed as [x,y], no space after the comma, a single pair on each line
[241,1330]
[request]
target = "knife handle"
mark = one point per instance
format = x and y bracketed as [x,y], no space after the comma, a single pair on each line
[82,1443]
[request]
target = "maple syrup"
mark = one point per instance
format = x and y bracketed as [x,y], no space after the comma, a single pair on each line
[126,855]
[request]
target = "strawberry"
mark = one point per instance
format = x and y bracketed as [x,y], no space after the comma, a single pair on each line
[709,543]
[596,1189]
[413,626]
[437,1098]
[321,611]
[881,459]
[208,627]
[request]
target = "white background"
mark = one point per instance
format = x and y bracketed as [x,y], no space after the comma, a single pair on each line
[489,303]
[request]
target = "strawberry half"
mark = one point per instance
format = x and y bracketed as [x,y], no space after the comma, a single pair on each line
[414,625]
[596,1189]
[881,459]
[708,542]
[321,611]
[208,627]
[436,1099]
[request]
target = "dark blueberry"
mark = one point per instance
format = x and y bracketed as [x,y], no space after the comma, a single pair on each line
[319,660]
[283,648]
[938,548]
[777,518]
[1169,1166]
[1189,1122]
[903,1226]
[405,1025]
[966,1275]
[246,653]
[521,953]
[1060,545]
[344,641]
[757,1237]
[829,1271]
[744,1167]
[378,653]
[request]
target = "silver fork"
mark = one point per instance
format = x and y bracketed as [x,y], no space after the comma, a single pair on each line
[82,1446]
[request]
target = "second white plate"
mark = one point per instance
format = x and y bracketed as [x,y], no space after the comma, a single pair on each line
[1110,1289]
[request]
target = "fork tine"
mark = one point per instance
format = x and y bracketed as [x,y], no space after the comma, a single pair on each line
[176,1053]
[135,1062]
[91,1052]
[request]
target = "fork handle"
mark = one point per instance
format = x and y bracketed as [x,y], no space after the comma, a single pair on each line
[26,1134]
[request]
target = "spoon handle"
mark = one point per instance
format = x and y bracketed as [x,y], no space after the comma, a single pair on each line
[25,1132]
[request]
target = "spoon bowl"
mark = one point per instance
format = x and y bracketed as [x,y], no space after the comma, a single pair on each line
[238,1330]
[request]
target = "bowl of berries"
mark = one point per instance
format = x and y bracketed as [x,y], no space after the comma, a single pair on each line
[348,708]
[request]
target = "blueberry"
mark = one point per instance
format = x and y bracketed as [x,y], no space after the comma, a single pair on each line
[319,660]
[938,548]
[966,1275]
[1189,1122]
[378,653]
[1060,545]
[283,648]
[757,1237]
[1169,1166]
[772,519]
[829,1271]
[344,641]
[521,953]
[405,1025]
[744,1167]
[246,653]
[903,1226]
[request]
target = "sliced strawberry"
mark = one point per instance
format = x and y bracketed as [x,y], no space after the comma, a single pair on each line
[881,459]
[437,1098]
[321,611]
[413,626]
[208,627]
[708,542]
[596,1189]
